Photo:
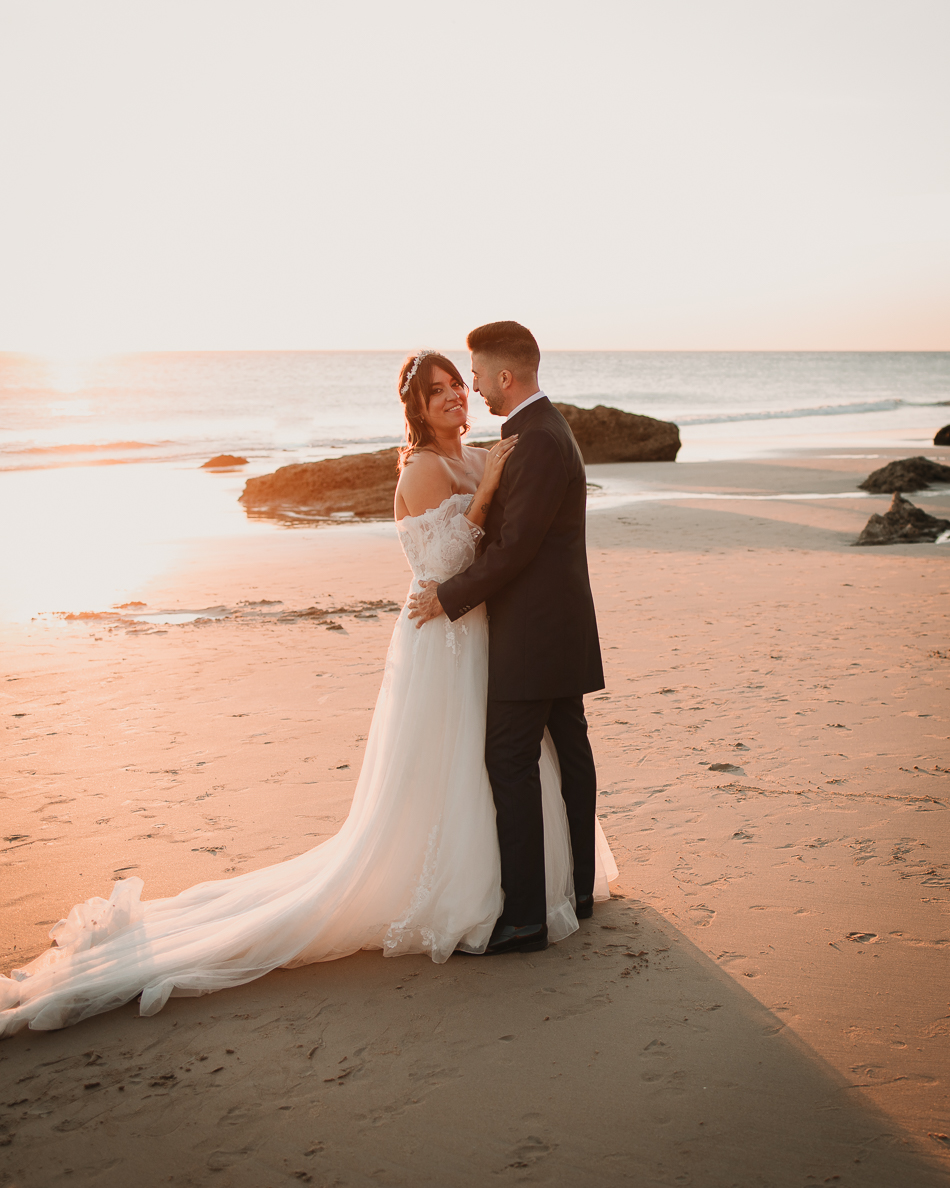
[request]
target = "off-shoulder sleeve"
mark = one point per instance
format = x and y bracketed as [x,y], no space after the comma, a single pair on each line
[442,541]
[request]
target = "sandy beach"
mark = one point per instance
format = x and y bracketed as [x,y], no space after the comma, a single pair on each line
[764,1002]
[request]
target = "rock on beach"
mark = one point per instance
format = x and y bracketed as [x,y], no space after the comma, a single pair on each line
[609,435]
[902,523]
[365,484]
[362,484]
[220,461]
[907,474]
[942,436]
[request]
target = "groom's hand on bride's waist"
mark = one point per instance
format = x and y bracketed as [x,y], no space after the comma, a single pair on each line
[425,605]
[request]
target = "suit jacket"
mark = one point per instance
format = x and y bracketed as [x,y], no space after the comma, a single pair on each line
[532,574]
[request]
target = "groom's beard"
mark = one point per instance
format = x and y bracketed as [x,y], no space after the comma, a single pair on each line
[494,403]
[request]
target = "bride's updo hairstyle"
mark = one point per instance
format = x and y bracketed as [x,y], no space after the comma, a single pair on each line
[415,382]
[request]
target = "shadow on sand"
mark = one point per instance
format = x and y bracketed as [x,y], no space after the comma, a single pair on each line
[621,1056]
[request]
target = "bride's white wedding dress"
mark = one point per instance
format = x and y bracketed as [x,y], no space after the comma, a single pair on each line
[414,869]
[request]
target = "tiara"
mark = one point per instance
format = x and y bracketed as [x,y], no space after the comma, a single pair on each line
[413,369]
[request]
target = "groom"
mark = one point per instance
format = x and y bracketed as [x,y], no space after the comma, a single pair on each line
[544,654]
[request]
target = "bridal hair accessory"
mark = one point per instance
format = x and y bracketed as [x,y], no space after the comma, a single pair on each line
[413,369]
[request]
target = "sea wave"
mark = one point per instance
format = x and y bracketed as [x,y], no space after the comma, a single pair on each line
[87,447]
[175,441]
[821,410]
[338,443]
[21,455]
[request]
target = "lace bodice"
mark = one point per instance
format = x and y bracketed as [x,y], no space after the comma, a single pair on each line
[441,542]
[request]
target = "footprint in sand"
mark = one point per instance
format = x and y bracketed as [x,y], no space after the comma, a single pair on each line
[222,1160]
[528,1152]
[239,1115]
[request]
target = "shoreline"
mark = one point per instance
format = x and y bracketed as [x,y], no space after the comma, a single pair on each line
[110,532]
[771,754]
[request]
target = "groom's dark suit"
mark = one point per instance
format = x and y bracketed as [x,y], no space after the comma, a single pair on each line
[544,654]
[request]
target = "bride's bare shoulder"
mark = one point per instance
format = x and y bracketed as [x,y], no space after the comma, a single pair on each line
[425,482]
[476,456]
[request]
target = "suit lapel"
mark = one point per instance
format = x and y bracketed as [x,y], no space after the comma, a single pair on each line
[516,423]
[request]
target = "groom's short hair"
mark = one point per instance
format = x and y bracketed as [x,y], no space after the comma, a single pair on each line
[510,343]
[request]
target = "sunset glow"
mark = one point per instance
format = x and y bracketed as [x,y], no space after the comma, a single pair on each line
[100,541]
[66,373]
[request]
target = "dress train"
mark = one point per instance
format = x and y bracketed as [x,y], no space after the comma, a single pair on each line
[414,868]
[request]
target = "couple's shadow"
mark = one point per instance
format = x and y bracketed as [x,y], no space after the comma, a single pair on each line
[623,1055]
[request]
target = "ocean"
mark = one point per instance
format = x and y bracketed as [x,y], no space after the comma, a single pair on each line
[100,460]
[274,406]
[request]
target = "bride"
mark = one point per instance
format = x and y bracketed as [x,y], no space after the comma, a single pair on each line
[415,867]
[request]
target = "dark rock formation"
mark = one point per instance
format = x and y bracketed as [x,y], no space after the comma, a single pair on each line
[609,435]
[221,460]
[909,474]
[361,484]
[942,436]
[902,523]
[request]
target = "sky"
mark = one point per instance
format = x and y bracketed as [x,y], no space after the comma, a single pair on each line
[616,174]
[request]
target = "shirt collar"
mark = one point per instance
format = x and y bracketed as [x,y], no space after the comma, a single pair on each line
[524,404]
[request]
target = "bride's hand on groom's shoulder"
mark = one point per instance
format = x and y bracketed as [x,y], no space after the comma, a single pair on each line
[495,463]
[425,605]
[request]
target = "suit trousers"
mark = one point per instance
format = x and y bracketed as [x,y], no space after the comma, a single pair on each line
[512,752]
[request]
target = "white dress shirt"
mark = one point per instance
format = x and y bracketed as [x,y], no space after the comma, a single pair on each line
[524,404]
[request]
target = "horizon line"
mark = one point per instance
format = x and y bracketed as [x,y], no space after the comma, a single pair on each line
[104,352]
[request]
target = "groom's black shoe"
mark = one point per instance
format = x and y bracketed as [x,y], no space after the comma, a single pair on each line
[531,938]
[585,907]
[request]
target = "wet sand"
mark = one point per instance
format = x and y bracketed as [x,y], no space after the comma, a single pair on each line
[763,1003]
